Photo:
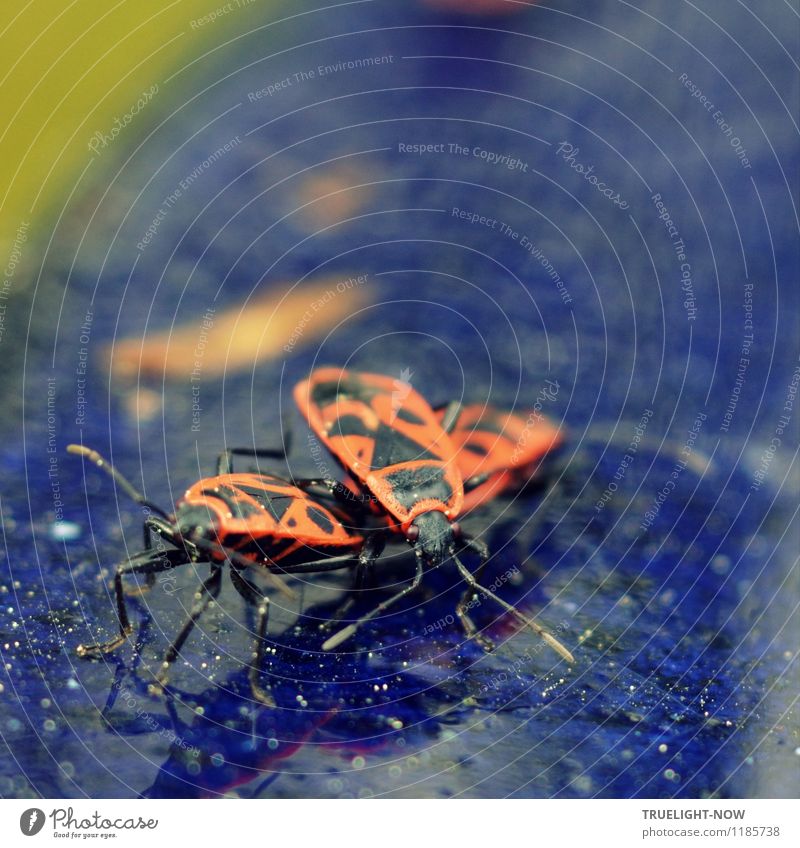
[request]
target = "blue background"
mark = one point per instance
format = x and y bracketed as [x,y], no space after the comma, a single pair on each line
[685,678]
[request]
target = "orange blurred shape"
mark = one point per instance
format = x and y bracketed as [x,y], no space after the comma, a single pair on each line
[332,196]
[272,324]
[143,403]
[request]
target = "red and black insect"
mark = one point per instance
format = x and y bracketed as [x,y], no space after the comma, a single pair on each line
[392,443]
[498,450]
[252,521]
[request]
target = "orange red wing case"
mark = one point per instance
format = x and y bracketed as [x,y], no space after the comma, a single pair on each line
[384,433]
[263,507]
[503,446]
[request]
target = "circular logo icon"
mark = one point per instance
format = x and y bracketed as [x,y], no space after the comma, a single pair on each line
[31,821]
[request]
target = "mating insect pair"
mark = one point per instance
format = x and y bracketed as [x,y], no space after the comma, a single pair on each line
[411,471]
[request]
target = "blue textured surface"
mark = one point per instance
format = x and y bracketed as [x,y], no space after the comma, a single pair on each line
[685,677]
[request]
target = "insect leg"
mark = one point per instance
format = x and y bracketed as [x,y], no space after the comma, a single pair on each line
[146,562]
[549,638]
[451,412]
[464,617]
[208,591]
[475,481]
[373,547]
[254,597]
[162,528]
[374,543]
[225,459]
[328,484]
[327,487]
[242,562]
[165,530]
[344,634]
[333,563]
[479,547]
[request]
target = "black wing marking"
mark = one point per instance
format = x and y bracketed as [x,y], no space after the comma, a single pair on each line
[410,485]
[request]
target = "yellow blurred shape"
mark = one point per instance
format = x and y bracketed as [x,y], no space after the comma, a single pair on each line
[76,69]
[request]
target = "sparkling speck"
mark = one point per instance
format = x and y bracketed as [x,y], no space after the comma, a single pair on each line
[65,531]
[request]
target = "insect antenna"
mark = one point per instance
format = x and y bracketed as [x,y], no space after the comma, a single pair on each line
[94,457]
[345,633]
[201,544]
[523,619]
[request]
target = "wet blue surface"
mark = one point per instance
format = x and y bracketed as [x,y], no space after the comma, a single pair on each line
[685,677]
